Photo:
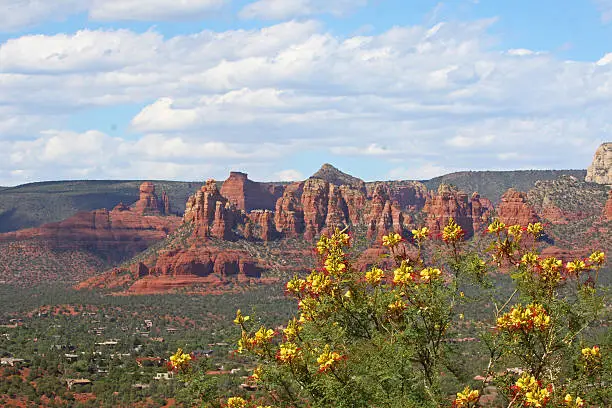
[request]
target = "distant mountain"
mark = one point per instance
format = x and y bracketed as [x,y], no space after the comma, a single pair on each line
[34,204]
[493,184]
[336,177]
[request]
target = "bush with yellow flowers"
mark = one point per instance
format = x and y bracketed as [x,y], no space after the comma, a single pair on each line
[386,338]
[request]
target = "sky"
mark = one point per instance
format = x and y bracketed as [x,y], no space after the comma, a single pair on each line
[382,89]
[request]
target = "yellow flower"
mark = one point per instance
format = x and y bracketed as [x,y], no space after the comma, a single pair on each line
[576,266]
[287,352]
[535,229]
[591,356]
[515,230]
[374,276]
[496,226]
[531,392]
[236,402]
[296,285]
[429,274]
[530,258]
[263,335]
[452,232]
[335,265]
[403,274]
[240,319]
[292,330]
[180,360]
[533,316]
[397,306]
[328,359]
[573,403]
[323,244]
[466,397]
[391,240]
[257,373]
[420,233]
[319,282]
[597,257]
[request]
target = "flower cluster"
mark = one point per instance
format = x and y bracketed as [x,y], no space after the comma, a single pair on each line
[403,274]
[239,402]
[452,232]
[496,226]
[532,316]
[429,274]
[575,267]
[466,398]
[374,276]
[179,360]
[529,390]
[420,233]
[591,356]
[549,270]
[292,330]
[328,359]
[288,352]
[535,229]
[392,239]
[572,402]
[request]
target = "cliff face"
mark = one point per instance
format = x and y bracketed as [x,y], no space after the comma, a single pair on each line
[115,235]
[514,209]
[472,214]
[149,203]
[248,195]
[600,171]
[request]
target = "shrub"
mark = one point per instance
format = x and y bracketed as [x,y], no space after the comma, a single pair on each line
[387,338]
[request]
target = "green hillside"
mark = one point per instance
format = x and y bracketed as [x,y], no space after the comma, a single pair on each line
[492,184]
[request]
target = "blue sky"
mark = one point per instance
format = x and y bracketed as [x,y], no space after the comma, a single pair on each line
[384,89]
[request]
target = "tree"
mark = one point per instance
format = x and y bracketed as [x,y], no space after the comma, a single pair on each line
[388,338]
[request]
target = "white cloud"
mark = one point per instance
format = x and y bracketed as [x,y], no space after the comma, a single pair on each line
[289,175]
[283,9]
[67,154]
[443,94]
[153,10]
[424,171]
[19,14]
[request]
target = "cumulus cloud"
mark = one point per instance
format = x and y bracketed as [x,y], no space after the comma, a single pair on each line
[94,154]
[152,10]
[442,94]
[19,14]
[289,175]
[283,9]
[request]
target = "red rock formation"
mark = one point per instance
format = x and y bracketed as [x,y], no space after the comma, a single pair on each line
[117,234]
[261,225]
[355,200]
[206,261]
[289,217]
[450,203]
[248,195]
[148,203]
[482,208]
[337,210]
[315,200]
[211,213]
[514,209]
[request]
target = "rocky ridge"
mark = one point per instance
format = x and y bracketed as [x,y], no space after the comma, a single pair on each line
[600,171]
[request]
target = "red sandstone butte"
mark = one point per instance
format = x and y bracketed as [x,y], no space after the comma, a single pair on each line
[149,203]
[471,214]
[514,209]
[249,195]
[117,234]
